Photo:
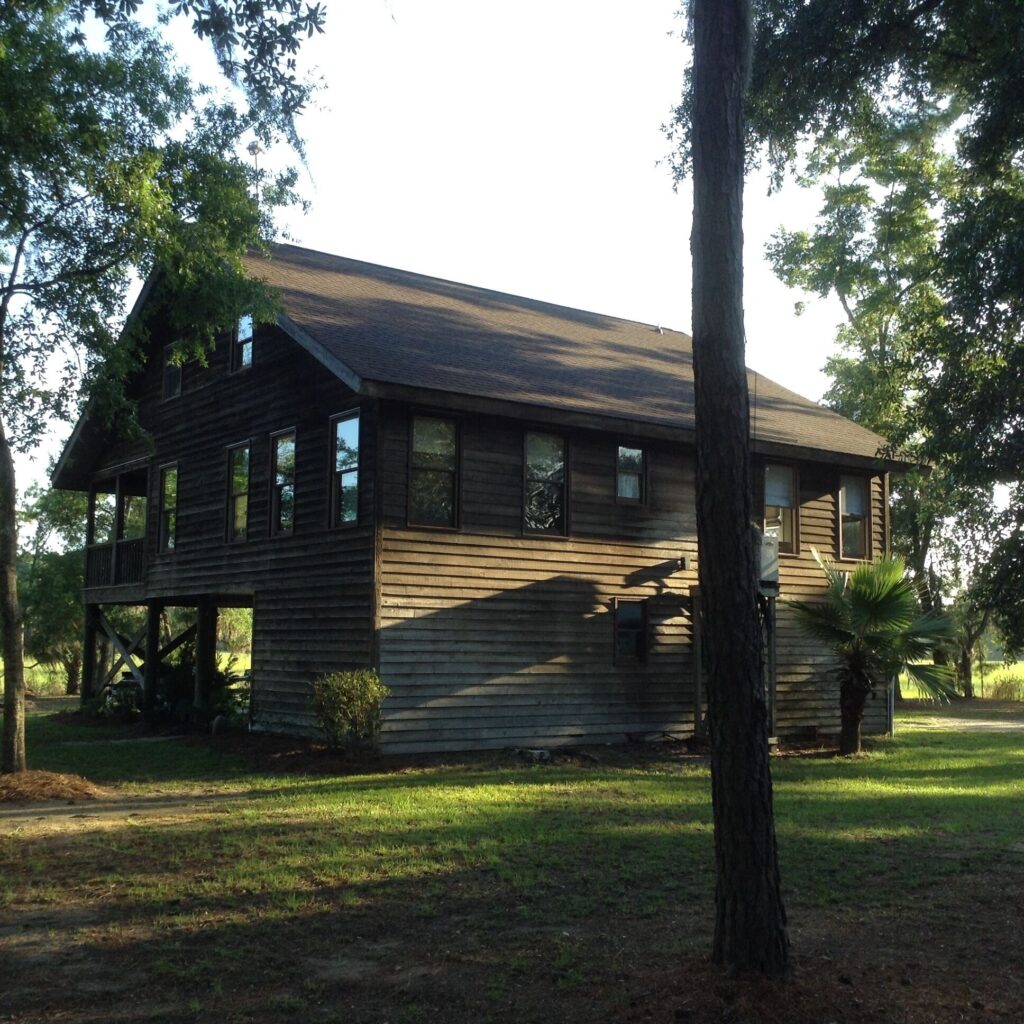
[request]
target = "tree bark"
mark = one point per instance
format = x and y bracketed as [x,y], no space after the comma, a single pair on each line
[750,921]
[965,670]
[853,695]
[12,754]
[73,671]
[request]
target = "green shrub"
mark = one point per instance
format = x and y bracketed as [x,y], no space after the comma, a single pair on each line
[348,708]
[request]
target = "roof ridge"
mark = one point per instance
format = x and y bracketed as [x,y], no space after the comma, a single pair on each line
[658,328]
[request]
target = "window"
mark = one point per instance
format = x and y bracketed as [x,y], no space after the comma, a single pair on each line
[780,506]
[434,472]
[241,344]
[630,475]
[238,492]
[345,470]
[172,374]
[853,517]
[168,508]
[630,631]
[282,475]
[544,501]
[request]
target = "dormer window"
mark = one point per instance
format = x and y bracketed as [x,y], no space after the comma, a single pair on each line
[241,344]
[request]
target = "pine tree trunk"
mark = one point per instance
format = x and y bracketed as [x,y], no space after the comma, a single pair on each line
[750,921]
[12,754]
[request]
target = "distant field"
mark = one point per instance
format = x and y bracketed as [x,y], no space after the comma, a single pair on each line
[998,681]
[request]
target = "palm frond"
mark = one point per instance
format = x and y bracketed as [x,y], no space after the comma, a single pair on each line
[938,681]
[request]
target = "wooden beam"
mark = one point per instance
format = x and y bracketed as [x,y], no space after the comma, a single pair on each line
[182,638]
[206,652]
[125,656]
[151,665]
[131,645]
[89,654]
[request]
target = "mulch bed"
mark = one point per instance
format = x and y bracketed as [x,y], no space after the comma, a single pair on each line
[29,787]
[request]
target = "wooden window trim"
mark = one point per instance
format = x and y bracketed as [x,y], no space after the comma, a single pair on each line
[566,530]
[645,631]
[332,439]
[235,364]
[868,519]
[795,466]
[161,469]
[640,502]
[457,421]
[229,516]
[164,363]
[273,529]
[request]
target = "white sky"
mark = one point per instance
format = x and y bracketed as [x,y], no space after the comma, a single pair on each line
[519,147]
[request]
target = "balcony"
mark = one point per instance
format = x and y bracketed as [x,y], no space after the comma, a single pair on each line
[115,564]
[116,549]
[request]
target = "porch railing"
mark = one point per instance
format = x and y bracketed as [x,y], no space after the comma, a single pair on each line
[114,564]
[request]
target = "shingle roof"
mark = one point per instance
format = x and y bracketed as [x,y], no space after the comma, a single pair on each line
[395,327]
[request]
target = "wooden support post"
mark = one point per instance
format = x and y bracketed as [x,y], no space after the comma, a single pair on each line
[151,666]
[206,651]
[118,527]
[89,654]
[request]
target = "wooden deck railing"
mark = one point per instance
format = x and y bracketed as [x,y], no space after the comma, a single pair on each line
[109,564]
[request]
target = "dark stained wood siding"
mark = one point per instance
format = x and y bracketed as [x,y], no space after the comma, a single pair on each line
[312,591]
[487,637]
[807,687]
[490,638]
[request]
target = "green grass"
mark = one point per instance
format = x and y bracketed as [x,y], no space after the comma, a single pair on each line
[502,849]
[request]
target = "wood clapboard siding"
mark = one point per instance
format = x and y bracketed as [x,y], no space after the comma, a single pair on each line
[807,689]
[490,638]
[311,591]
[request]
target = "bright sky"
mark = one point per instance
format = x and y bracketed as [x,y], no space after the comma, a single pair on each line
[519,147]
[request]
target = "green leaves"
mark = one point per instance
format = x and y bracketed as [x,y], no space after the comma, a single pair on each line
[870,618]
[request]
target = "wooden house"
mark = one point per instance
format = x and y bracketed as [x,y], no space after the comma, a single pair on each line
[489,498]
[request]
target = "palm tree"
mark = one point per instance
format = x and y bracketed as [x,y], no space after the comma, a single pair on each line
[872,621]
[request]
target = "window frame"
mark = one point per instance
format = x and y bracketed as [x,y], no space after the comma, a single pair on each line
[162,547]
[456,421]
[332,471]
[235,361]
[231,496]
[782,463]
[644,631]
[566,485]
[866,518]
[640,502]
[274,527]
[165,365]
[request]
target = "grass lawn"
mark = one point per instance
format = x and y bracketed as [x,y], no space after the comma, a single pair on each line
[213,889]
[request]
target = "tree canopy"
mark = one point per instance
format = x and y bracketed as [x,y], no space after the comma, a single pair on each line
[114,166]
[916,102]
